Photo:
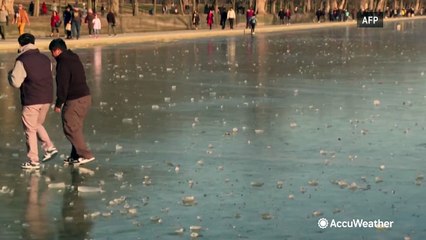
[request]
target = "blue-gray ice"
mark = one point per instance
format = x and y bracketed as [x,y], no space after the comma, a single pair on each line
[228,138]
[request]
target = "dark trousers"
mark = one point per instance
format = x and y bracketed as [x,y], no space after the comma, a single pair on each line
[252,26]
[3,30]
[223,23]
[231,23]
[73,114]
[111,26]
[76,29]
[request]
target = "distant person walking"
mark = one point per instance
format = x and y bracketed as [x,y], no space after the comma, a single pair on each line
[89,20]
[76,23]
[223,17]
[4,21]
[54,6]
[281,15]
[55,23]
[22,19]
[231,17]
[288,16]
[210,19]
[32,74]
[43,8]
[253,22]
[195,19]
[68,20]
[249,14]
[31,8]
[73,100]
[96,26]
[111,23]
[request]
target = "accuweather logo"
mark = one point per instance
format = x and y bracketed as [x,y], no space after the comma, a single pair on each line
[323,223]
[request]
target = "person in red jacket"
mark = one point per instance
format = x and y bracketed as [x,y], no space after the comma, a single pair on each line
[55,23]
[43,8]
[210,18]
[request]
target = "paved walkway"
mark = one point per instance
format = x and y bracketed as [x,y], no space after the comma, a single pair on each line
[86,41]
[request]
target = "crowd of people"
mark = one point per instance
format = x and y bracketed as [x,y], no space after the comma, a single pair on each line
[74,17]
[225,15]
[71,21]
[342,15]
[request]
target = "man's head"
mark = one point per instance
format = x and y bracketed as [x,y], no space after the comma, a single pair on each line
[57,46]
[25,39]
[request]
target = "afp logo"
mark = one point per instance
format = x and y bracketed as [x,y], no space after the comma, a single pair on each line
[370,20]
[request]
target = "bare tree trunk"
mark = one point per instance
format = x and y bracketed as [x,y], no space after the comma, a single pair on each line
[260,6]
[9,5]
[381,6]
[417,7]
[333,4]
[364,4]
[135,7]
[308,5]
[114,6]
[327,6]
[95,5]
[181,5]
[273,4]
[371,5]
[154,10]
[120,6]
[342,4]
[37,8]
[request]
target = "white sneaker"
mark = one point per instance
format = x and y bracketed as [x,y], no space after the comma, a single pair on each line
[81,161]
[49,154]
[30,165]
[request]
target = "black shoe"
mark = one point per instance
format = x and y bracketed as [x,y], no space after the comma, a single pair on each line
[69,161]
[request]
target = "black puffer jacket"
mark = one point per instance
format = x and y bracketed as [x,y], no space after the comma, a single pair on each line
[70,78]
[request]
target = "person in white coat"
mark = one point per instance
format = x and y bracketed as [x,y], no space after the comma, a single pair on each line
[97,26]
[231,17]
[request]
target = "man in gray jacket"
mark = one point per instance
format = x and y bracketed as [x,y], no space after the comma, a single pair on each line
[32,74]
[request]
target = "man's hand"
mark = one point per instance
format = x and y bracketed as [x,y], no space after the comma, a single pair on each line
[58,110]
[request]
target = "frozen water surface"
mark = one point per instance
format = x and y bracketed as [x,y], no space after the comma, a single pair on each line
[228,138]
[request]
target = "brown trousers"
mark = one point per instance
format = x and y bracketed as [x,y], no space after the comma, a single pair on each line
[73,114]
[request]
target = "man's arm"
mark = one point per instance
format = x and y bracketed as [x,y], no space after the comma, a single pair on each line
[17,75]
[63,76]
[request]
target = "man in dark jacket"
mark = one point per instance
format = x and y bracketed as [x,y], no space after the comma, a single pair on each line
[68,20]
[223,16]
[73,98]
[111,23]
[32,74]
[89,20]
